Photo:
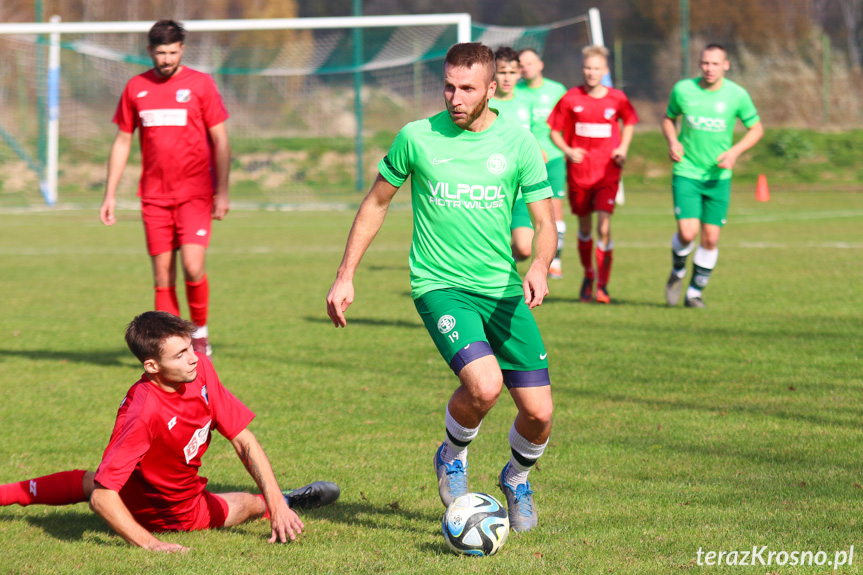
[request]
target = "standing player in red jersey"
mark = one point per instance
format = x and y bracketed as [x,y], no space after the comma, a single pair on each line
[184,181]
[585,125]
[148,479]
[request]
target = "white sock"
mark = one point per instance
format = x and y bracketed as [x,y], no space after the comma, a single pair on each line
[522,449]
[201,332]
[561,231]
[463,435]
[680,248]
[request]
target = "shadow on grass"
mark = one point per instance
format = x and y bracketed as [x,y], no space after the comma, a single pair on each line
[614,302]
[118,357]
[67,523]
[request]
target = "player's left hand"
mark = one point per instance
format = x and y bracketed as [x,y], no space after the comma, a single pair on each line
[221,206]
[726,160]
[286,524]
[619,156]
[535,285]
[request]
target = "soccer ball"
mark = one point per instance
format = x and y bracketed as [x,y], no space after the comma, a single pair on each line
[475,524]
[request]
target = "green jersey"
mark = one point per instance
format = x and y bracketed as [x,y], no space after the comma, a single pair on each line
[463,186]
[543,100]
[708,125]
[518,109]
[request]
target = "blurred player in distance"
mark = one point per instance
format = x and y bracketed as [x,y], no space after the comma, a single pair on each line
[148,479]
[703,159]
[184,179]
[585,125]
[515,107]
[472,301]
[544,94]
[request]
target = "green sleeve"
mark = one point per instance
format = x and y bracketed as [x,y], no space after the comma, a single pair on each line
[747,112]
[532,176]
[673,110]
[395,167]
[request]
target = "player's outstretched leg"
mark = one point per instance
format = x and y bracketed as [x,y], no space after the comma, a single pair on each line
[64,488]
[313,495]
[679,253]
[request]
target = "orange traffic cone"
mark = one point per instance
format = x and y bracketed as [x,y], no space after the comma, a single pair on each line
[762,192]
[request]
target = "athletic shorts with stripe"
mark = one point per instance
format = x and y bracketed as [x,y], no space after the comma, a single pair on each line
[466,326]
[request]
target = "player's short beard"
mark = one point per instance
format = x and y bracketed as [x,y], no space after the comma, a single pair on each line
[471,115]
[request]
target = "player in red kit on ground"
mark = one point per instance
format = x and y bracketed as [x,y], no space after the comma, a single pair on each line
[184,181]
[148,480]
[585,125]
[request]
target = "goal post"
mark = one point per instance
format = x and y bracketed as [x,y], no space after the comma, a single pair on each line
[58,31]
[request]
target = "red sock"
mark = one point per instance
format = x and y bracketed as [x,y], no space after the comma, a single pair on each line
[603,264]
[585,252]
[62,488]
[166,300]
[198,295]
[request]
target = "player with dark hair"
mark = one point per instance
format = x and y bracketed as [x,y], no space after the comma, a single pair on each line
[585,125]
[544,95]
[466,165]
[184,180]
[148,480]
[517,108]
[703,158]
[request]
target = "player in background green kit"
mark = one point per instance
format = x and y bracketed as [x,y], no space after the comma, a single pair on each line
[544,95]
[515,107]
[703,159]
[466,165]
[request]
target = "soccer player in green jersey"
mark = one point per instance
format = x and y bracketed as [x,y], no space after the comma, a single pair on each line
[703,158]
[544,94]
[517,108]
[466,165]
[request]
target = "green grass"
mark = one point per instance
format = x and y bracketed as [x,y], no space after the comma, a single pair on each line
[674,429]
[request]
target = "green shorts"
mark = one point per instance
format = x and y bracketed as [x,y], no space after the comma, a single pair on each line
[556,169]
[520,215]
[706,200]
[466,326]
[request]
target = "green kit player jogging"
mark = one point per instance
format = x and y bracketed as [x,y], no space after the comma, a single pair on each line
[704,157]
[466,166]
[544,95]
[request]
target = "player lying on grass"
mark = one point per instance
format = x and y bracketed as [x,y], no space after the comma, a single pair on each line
[148,480]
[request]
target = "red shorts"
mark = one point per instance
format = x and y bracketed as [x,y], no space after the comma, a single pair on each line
[599,198]
[169,225]
[206,511]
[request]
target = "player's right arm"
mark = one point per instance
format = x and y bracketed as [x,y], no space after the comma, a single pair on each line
[675,148]
[109,506]
[116,163]
[574,155]
[368,222]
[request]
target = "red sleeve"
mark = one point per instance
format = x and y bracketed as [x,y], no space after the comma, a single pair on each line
[230,414]
[129,442]
[627,111]
[559,115]
[212,108]
[125,116]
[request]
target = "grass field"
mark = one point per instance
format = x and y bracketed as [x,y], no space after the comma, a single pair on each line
[675,429]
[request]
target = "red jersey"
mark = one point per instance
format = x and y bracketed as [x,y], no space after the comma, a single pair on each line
[158,440]
[593,125]
[174,116]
